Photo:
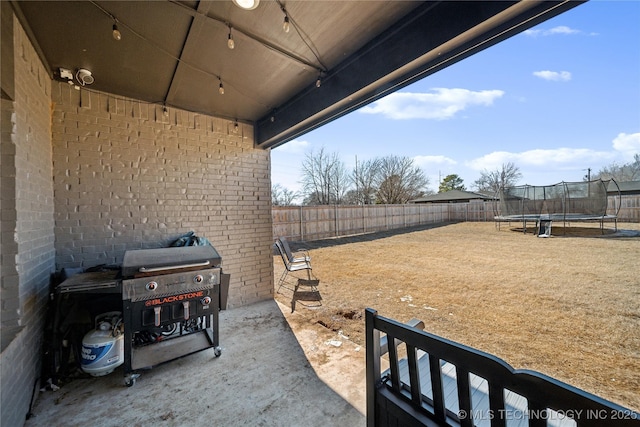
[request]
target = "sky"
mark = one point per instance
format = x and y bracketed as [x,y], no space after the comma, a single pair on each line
[559,99]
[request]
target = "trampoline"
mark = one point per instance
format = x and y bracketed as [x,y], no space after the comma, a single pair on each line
[566,201]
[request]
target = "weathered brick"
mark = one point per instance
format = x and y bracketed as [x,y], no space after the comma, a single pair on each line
[29,216]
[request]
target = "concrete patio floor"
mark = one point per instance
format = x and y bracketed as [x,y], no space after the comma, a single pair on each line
[275,370]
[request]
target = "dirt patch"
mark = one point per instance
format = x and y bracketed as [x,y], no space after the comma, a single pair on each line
[567,306]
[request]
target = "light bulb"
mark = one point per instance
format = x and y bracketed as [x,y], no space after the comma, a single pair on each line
[116,32]
[285,25]
[165,112]
[247,4]
[235,127]
[318,82]
[221,89]
[230,42]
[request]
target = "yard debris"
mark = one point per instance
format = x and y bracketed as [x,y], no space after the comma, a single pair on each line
[168,416]
[335,343]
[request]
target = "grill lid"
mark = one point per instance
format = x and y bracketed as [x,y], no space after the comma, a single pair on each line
[167,260]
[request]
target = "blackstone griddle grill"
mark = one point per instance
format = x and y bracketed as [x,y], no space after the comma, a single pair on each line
[170,301]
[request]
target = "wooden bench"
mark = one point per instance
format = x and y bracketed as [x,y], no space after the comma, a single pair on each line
[444,383]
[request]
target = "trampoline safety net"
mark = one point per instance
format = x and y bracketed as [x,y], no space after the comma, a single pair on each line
[563,201]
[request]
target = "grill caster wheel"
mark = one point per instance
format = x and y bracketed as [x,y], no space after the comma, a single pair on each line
[217,351]
[130,380]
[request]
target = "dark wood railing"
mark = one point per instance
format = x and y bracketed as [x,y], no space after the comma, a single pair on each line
[443,383]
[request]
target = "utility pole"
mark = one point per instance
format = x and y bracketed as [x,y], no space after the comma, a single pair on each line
[357,179]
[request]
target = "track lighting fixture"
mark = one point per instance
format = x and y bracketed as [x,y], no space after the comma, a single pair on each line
[116,32]
[230,42]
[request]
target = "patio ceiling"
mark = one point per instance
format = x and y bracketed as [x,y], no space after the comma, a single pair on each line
[176,53]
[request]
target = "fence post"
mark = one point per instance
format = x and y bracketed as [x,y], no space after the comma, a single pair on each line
[301,226]
[386,217]
[364,220]
[404,215]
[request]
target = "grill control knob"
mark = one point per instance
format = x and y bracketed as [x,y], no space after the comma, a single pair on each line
[206,300]
[198,279]
[152,286]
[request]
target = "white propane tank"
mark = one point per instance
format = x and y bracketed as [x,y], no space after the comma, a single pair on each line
[103,348]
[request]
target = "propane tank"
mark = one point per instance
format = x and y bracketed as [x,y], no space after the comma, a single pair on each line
[103,347]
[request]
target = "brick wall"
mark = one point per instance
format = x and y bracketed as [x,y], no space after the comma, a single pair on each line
[27,226]
[127,176]
[86,176]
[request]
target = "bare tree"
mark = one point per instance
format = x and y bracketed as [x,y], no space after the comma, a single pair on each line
[324,178]
[499,179]
[627,172]
[364,177]
[282,196]
[399,180]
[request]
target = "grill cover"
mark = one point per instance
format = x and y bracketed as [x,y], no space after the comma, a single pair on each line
[158,260]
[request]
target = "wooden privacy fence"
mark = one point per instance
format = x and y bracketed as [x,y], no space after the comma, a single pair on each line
[319,222]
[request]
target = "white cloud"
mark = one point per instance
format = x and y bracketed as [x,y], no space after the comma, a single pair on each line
[556,76]
[555,158]
[561,29]
[295,146]
[627,144]
[439,104]
[424,161]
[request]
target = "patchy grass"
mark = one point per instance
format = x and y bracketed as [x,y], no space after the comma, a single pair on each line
[567,306]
